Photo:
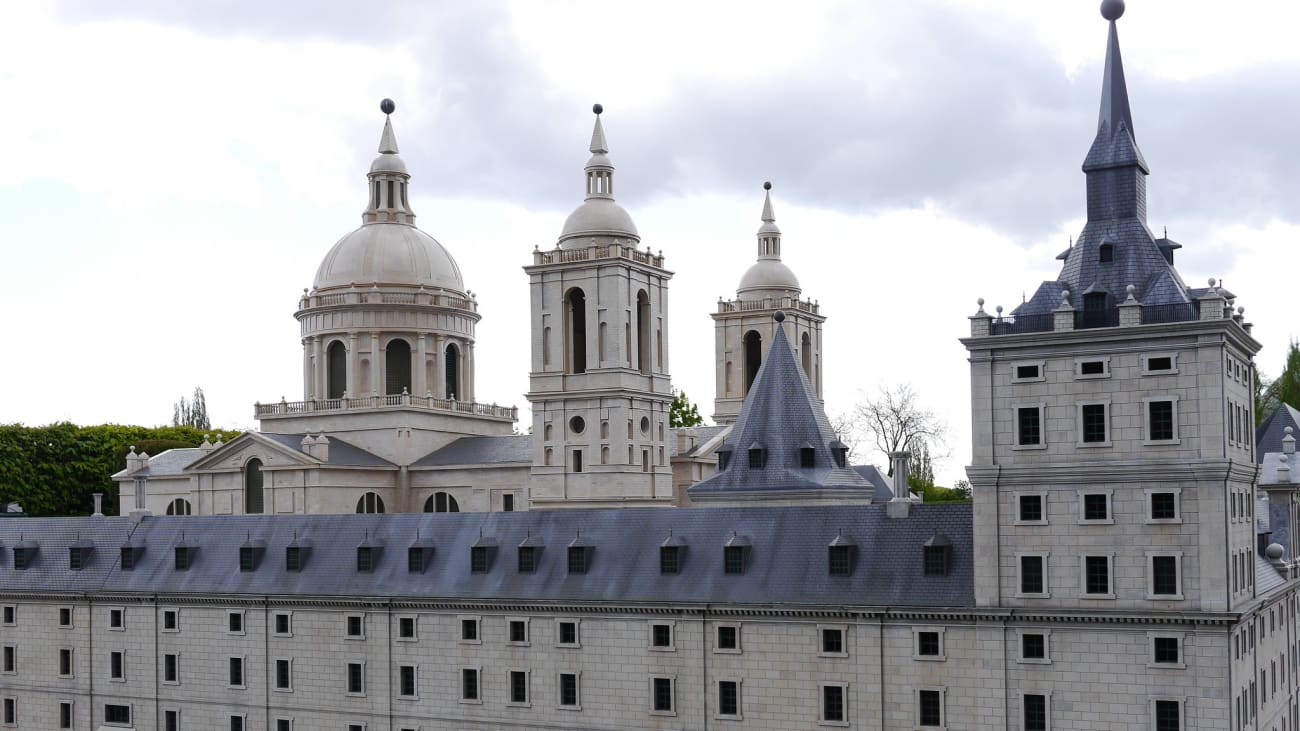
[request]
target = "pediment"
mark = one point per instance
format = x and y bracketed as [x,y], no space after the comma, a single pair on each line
[232,455]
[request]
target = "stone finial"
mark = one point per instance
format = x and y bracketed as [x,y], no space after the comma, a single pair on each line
[1131,290]
[1065,298]
[980,302]
[1283,468]
[308,445]
[1288,442]
[999,310]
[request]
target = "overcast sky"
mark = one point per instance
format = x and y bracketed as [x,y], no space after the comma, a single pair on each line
[172,173]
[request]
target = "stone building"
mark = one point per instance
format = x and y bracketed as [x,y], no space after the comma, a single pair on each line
[1120,566]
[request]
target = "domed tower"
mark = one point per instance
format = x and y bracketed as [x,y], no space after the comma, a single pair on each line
[744,327]
[599,384]
[388,333]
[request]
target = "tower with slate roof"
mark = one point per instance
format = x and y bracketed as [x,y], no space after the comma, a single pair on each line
[744,330]
[599,383]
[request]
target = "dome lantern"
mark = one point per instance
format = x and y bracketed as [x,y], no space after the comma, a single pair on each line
[599,217]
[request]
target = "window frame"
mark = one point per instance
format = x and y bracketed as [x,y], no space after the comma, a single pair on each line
[477,698]
[347,626]
[822,629]
[230,617]
[118,614]
[176,621]
[1180,638]
[176,666]
[1151,556]
[72,662]
[275,623]
[527,702]
[401,694]
[1147,438]
[577,632]
[717,648]
[668,624]
[1079,427]
[845,719]
[1046,634]
[347,678]
[1182,711]
[528,631]
[577,690]
[477,623]
[739,715]
[243,672]
[1042,506]
[120,677]
[1173,364]
[1017,365]
[1110,576]
[1083,495]
[71,614]
[275,675]
[1041,408]
[672,695]
[414,620]
[1020,593]
[943,702]
[130,714]
[939,656]
[1177,492]
[1079,375]
[1047,708]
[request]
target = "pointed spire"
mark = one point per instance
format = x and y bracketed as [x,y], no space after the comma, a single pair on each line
[388,140]
[1114,91]
[768,215]
[388,178]
[769,235]
[598,143]
[600,171]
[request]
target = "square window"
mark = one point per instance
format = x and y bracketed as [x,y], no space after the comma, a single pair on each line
[171,620]
[1160,421]
[929,710]
[929,644]
[518,631]
[235,623]
[661,636]
[65,617]
[283,624]
[729,698]
[669,560]
[1096,507]
[1164,506]
[833,708]
[355,626]
[1035,711]
[1165,650]
[406,681]
[283,674]
[569,690]
[1033,574]
[832,641]
[661,694]
[356,678]
[1033,646]
[1093,417]
[728,638]
[518,687]
[406,628]
[1168,715]
[567,632]
[117,714]
[1096,575]
[733,560]
[1030,508]
[1029,426]
[469,629]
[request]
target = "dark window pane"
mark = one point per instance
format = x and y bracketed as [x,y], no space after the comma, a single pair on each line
[1162,419]
[293,558]
[832,641]
[354,677]
[568,689]
[1094,423]
[1097,574]
[469,629]
[1031,507]
[355,626]
[478,559]
[518,686]
[756,459]
[1164,574]
[1031,574]
[840,564]
[833,703]
[1092,368]
[931,710]
[236,671]
[1164,506]
[726,638]
[1030,429]
[661,635]
[733,560]
[807,457]
[1033,646]
[1166,649]
[577,560]
[1169,716]
[663,694]
[1095,507]
[568,633]
[282,674]
[1027,371]
[1160,364]
[527,559]
[518,631]
[469,684]
[936,560]
[927,644]
[1035,713]
[406,627]
[728,698]
[407,680]
[669,560]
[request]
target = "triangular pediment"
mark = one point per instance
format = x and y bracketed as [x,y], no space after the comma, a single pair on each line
[234,454]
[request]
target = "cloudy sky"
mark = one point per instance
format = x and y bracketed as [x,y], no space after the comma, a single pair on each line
[172,173]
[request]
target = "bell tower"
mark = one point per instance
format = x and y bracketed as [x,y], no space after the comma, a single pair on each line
[599,383]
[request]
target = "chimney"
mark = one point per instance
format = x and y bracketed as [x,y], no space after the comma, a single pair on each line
[322,451]
[899,463]
[685,442]
[308,445]
[99,505]
[134,462]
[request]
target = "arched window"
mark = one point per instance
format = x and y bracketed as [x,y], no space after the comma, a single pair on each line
[643,331]
[453,370]
[370,503]
[179,506]
[805,347]
[336,370]
[575,306]
[253,486]
[397,367]
[441,502]
[753,357]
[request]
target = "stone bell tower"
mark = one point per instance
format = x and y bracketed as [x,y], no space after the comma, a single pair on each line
[599,383]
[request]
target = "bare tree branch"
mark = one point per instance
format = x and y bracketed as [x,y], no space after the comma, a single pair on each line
[895,421]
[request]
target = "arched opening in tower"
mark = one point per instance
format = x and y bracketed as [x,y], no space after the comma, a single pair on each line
[336,370]
[576,316]
[453,371]
[397,368]
[643,331]
[253,487]
[805,349]
[753,357]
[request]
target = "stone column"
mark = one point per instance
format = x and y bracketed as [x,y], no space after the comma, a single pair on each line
[318,369]
[307,360]
[419,378]
[374,364]
[354,366]
[467,378]
[440,366]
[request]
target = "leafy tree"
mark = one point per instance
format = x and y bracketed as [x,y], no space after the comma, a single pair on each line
[937,494]
[896,421]
[192,413]
[1264,400]
[683,412]
[1285,389]
[920,468]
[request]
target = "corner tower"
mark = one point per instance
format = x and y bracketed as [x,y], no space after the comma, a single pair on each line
[599,383]
[744,328]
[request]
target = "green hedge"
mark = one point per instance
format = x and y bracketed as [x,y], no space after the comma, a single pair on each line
[55,469]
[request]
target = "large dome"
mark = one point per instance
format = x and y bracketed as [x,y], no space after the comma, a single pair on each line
[389,253]
[768,274]
[599,217]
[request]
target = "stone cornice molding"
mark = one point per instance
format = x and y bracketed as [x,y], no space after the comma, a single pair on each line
[1207,471]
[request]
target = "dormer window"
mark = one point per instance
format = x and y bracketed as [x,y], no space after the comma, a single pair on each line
[295,556]
[24,554]
[724,459]
[840,554]
[670,560]
[579,556]
[367,558]
[79,555]
[1106,253]
[936,553]
[527,559]
[250,555]
[807,457]
[734,554]
[129,556]
[478,560]
[840,453]
[185,557]
[757,457]
[417,558]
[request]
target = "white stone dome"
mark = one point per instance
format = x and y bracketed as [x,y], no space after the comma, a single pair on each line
[599,217]
[389,253]
[768,274]
[391,163]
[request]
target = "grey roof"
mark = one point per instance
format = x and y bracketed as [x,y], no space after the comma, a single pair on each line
[786,565]
[1116,190]
[781,414]
[880,482]
[512,449]
[341,453]
[702,434]
[1268,469]
[166,464]
[1267,578]
[1269,434]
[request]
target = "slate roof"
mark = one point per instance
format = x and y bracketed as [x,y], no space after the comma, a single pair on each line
[786,565]
[166,464]
[1268,435]
[341,453]
[880,482]
[1267,578]
[782,414]
[703,435]
[511,449]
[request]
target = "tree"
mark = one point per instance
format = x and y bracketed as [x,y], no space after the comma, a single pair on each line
[896,421]
[192,413]
[1285,389]
[683,412]
[920,468]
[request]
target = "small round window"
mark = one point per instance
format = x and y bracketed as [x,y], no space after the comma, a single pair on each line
[576,425]
[645,425]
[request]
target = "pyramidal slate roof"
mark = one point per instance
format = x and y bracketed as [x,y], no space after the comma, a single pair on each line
[1116,193]
[1268,435]
[342,453]
[787,561]
[781,416]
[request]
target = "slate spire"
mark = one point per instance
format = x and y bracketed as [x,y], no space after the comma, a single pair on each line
[1115,167]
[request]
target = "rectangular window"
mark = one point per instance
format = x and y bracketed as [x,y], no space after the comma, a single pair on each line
[283,624]
[669,560]
[1168,716]
[478,559]
[415,560]
[118,714]
[1035,707]
[65,663]
[236,723]
[577,560]
[1093,417]
[356,628]
[365,559]
[1096,575]
[1033,646]
[235,623]
[1164,576]
[356,684]
[170,620]
[527,559]
[577,460]
[935,560]
[728,637]
[928,645]
[115,666]
[518,687]
[1033,575]
[116,619]
[507,503]
[728,698]
[283,675]
[568,633]
[832,641]
[662,695]
[10,711]
[1092,368]
[1031,509]
[65,617]
[128,558]
[247,554]
[182,558]
[1165,650]
[65,715]
[733,560]
[293,558]
[661,636]
[833,703]
[518,631]
[1160,420]
[10,615]
[469,630]
[171,673]
[1029,426]
[406,681]
[840,560]
[1096,506]
[10,659]
[1164,506]
[1027,372]
[237,672]
[469,684]
[929,708]
[1160,363]
[406,628]
[569,690]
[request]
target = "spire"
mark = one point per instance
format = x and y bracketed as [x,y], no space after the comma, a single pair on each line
[388,178]
[769,236]
[1116,144]
[600,171]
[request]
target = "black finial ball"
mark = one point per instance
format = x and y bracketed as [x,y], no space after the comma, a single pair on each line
[779,316]
[1112,9]
[387,106]
[597,108]
[767,185]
